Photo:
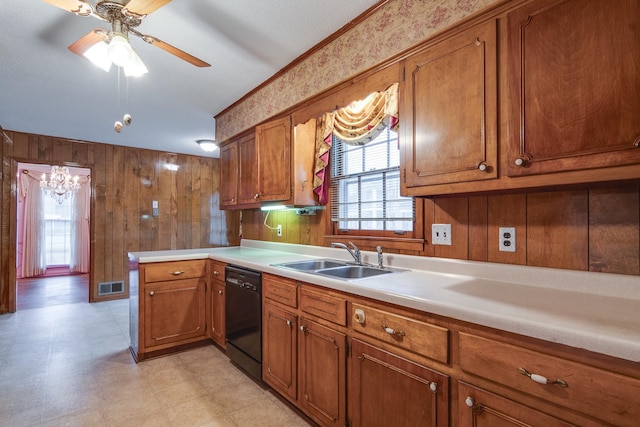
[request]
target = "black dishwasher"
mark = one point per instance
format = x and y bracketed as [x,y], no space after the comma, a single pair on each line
[243,319]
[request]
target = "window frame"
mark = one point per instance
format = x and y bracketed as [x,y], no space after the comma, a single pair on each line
[415,233]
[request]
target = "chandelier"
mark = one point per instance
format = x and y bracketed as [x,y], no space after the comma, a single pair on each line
[60,184]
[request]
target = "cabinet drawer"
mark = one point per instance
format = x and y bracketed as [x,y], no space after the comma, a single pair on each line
[217,270]
[324,305]
[176,270]
[280,289]
[423,338]
[601,394]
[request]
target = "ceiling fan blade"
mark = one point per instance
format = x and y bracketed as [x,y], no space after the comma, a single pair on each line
[79,7]
[145,7]
[175,51]
[80,46]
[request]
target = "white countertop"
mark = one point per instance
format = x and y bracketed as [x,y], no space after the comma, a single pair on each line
[595,311]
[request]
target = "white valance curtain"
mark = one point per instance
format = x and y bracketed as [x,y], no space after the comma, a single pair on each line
[355,124]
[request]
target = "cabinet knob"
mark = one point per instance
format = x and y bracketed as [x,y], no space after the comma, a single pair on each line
[482,167]
[219,292]
[216,273]
[433,387]
[177,273]
[256,197]
[636,143]
[302,328]
[520,161]
[469,402]
[151,293]
[359,315]
[289,323]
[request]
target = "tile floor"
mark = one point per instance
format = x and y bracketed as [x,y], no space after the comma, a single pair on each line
[69,365]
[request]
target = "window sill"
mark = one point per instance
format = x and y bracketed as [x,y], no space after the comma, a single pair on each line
[370,243]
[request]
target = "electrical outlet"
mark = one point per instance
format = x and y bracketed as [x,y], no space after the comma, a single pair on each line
[441,234]
[507,239]
[279,230]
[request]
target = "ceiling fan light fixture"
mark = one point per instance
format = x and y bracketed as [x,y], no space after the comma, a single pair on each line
[120,50]
[98,54]
[135,67]
[207,144]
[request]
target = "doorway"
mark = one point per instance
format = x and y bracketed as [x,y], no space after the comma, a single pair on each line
[52,240]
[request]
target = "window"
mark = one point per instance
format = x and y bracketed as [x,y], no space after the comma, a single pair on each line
[57,219]
[365,188]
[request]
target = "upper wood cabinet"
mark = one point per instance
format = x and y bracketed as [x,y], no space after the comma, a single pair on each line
[274,164]
[448,115]
[574,85]
[238,171]
[273,150]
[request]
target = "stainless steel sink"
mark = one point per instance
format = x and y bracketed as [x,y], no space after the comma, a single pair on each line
[337,269]
[352,271]
[312,265]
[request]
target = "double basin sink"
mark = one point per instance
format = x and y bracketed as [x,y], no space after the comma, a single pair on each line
[337,269]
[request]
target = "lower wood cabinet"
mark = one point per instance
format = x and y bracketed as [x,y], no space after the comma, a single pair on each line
[174,312]
[351,361]
[480,408]
[387,390]
[280,350]
[216,301]
[217,313]
[322,373]
[168,306]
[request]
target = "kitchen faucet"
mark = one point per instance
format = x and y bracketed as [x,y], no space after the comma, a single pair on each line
[355,253]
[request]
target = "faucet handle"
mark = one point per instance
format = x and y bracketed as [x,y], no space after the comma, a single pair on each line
[379,249]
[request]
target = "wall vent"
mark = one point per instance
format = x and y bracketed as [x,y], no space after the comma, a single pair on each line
[110,288]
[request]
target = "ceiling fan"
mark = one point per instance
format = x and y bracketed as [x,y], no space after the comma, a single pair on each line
[104,47]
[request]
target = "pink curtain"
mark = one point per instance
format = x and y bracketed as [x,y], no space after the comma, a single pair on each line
[356,124]
[79,262]
[34,262]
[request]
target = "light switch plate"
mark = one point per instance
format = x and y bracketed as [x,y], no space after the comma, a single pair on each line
[441,234]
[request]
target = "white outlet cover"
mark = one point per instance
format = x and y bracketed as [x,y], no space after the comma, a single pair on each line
[441,234]
[507,239]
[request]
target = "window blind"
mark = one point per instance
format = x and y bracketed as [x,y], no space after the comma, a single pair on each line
[365,186]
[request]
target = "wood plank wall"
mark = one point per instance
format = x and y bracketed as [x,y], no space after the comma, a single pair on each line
[124,182]
[593,229]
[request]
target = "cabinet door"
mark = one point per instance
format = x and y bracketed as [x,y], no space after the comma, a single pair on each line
[574,85]
[174,312]
[217,312]
[387,390]
[229,175]
[322,373]
[273,142]
[279,354]
[479,408]
[449,116]
[247,170]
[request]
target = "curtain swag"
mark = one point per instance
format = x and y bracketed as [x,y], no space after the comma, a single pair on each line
[356,124]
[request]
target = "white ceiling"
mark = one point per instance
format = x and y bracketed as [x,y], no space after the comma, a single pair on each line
[46,89]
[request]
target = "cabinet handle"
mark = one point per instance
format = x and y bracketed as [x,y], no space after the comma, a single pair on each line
[392,331]
[482,166]
[542,380]
[151,293]
[177,273]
